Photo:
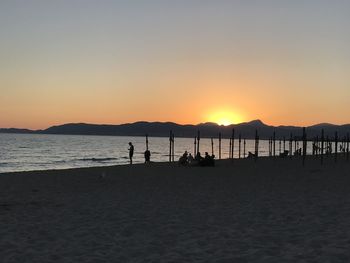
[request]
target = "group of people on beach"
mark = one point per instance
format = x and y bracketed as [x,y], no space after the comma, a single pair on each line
[187,159]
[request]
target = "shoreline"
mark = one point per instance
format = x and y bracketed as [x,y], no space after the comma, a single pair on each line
[328,159]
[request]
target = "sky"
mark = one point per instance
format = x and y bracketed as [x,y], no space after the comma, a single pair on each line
[185,61]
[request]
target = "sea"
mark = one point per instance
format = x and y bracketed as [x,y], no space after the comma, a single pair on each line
[28,152]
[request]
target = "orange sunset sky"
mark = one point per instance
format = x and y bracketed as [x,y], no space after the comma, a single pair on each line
[111,62]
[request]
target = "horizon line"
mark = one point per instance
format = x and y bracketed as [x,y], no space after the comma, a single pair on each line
[171,122]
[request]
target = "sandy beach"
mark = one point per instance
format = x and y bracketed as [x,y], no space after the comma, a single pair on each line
[274,210]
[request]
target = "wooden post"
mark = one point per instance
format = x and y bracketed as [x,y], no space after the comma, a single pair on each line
[212,147]
[198,139]
[336,147]
[347,146]
[195,147]
[274,144]
[322,145]
[146,142]
[219,145]
[229,155]
[284,144]
[304,145]
[233,142]
[239,147]
[256,145]
[280,147]
[170,144]
[173,148]
[244,144]
[270,146]
[291,145]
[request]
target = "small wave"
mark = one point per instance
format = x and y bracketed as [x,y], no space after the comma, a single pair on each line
[97,159]
[60,161]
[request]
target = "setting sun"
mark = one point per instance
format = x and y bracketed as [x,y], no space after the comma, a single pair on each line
[224,117]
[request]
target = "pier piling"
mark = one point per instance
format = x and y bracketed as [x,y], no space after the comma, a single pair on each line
[219,145]
[274,144]
[322,145]
[304,145]
[256,145]
[239,146]
[336,147]
[170,144]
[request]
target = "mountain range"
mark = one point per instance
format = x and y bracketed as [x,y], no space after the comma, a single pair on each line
[162,129]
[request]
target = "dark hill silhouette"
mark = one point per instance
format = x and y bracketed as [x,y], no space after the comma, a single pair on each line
[14,130]
[161,129]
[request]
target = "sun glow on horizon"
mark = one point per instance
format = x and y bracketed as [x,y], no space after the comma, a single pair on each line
[225,117]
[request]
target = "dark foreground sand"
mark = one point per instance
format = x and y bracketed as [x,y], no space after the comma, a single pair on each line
[269,211]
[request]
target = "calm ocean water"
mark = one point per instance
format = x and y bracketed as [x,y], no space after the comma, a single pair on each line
[24,152]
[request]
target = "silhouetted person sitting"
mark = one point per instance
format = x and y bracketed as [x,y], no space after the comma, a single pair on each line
[208,160]
[297,152]
[250,155]
[183,159]
[131,152]
[147,156]
[198,157]
[284,154]
[190,158]
[212,160]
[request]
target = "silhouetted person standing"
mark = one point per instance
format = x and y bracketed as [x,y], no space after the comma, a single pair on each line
[147,156]
[131,152]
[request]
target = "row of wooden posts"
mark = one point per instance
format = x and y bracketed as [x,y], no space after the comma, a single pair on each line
[318,145]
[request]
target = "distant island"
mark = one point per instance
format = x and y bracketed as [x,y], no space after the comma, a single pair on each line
[207,130]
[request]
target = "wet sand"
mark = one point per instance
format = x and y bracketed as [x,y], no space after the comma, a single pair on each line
[274,210]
